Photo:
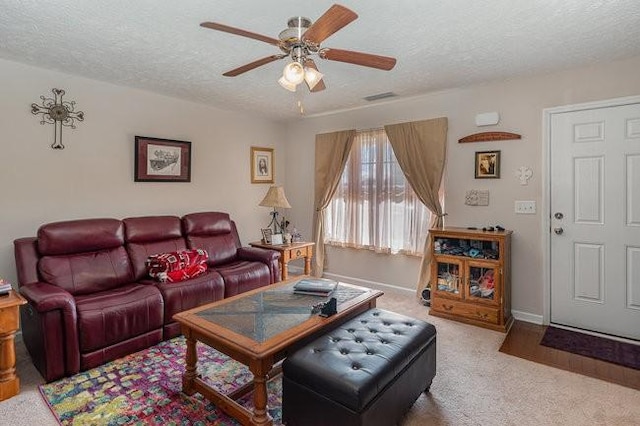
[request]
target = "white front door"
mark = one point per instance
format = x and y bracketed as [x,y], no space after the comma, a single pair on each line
[595,219]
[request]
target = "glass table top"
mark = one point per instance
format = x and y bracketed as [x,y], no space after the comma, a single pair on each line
[268,313]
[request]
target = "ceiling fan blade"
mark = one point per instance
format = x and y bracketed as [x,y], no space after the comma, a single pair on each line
[320,85]
[252,65]
[358,58]
[333,19]
[238,31]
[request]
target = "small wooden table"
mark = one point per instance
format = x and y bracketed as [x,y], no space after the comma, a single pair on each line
[259,328]
[290,252]
[9,323]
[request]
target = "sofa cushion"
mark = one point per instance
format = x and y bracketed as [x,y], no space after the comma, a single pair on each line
[243,276]
[78,236]
[149,235]
[112,316]
[149,229]
[88,272]
[181,296]
[214,232]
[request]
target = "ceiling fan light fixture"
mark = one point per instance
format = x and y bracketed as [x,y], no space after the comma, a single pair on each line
[285,84]
[312,77]
[293,73]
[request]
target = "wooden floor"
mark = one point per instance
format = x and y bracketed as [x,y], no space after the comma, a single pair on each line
[523,341]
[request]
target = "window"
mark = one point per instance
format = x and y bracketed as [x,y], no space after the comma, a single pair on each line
[374,206]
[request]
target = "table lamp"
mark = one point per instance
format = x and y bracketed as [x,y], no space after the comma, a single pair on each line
[275,198]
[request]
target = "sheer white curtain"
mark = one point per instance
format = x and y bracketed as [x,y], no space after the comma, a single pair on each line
[374,206]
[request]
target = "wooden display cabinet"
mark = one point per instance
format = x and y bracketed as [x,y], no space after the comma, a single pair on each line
[471,276]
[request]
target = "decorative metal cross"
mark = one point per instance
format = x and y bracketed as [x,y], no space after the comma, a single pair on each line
[58,112]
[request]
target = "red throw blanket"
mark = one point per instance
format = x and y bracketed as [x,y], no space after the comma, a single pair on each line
[177,265]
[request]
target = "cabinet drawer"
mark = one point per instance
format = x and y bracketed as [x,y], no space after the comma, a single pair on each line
[467,310]
[296,253]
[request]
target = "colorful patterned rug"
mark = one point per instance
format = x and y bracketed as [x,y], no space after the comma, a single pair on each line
[144,388]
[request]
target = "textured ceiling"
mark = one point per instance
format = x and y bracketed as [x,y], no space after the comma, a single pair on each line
[158,45]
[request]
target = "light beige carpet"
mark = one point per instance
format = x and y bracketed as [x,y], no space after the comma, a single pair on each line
[475,385]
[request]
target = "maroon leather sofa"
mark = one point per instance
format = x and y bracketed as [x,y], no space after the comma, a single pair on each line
[90,299]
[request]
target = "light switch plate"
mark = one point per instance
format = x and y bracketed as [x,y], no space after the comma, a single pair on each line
[525,207]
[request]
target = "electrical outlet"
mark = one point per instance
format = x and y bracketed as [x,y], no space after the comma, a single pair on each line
[525,207]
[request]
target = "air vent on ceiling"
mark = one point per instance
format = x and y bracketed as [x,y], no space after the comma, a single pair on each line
[379,96]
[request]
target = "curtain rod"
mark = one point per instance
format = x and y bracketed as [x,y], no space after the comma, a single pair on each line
[370,130]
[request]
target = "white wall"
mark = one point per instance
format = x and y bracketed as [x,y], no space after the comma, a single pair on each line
[520,103]
[93,175]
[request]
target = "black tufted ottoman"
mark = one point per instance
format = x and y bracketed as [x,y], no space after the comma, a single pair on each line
[368,371]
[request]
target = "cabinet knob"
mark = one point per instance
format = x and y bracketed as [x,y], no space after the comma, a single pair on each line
[447,307]
[481,315]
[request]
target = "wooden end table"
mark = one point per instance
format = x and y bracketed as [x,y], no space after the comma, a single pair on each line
[9,323]
[290,252]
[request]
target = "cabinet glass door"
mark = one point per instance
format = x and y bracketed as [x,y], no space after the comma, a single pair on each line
[482,282]
[448,278]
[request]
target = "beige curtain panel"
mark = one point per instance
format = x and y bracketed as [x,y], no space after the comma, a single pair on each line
[420,148]
[332,152]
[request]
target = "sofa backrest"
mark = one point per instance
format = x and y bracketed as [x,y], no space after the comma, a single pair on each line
[214,232]
[149,235]
[84,256]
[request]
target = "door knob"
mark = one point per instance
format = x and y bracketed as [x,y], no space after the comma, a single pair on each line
[558,215]
[558,231]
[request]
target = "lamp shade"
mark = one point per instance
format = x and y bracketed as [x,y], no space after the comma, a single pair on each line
[293,73]
[289,86]
[275,198]
[312,77]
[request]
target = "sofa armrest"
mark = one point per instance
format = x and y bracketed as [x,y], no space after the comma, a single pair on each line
[51,311]
[258,254]
[47,297]
[268,257]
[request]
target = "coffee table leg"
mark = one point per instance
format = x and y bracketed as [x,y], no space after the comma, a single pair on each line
[191,367]
[260,372]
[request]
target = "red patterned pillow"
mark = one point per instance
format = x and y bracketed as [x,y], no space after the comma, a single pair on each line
[178,265]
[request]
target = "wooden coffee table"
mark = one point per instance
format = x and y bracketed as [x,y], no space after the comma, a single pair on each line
[259,328]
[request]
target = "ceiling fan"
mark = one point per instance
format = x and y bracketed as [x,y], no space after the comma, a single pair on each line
[300,41]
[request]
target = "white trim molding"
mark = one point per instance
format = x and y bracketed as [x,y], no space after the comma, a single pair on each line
[527,317]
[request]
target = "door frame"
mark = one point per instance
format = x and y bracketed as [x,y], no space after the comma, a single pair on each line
[547,115]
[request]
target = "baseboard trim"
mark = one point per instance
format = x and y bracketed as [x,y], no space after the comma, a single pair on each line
[368,283]
[527,317]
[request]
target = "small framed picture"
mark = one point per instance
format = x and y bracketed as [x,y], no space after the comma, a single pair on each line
[266,235]
[487,164]
[262,165]
[162,160]
[276,239]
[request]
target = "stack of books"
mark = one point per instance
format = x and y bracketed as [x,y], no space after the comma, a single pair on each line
[315,286]
[5,287]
